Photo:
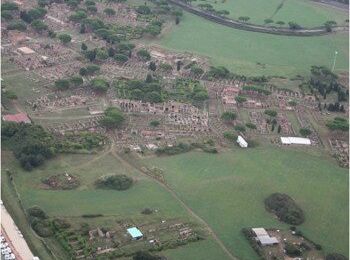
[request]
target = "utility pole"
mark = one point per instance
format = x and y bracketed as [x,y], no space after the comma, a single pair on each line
[335,58]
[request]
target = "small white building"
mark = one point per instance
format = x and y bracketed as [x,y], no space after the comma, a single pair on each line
[295,140]
[242,143]
[151,147]
[263,238]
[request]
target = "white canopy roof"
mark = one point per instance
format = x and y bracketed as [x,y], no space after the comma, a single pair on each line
[295,140]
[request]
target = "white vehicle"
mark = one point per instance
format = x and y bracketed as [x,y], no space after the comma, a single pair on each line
[6,251]
[4,245]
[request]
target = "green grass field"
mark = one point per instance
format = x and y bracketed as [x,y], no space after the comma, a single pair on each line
[240,51]
[228,190]
[86,199]
[304,12]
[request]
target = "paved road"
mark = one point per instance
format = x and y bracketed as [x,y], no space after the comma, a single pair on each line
[19,244]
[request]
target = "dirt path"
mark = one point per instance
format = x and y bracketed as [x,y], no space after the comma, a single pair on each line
[184,205]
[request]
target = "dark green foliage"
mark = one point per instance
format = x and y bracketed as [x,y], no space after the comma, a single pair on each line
[99,85]
[39,25]
[239,128]
[260,90]
[335,256]
[62,84]
[91,55]
[294,26]
[147,211]
[42,227]
[144,55]
[250,125]
[31,144]
[196,70]
[76,81]
[17,25]
[240,99]
[9,6]
[113,118]
[305,132]
[189,90]
[338,123]
[144,255]
[292,250]
[6,14]
[228,116]
[143,9]
[152,66]
[92,215]
[115,182]
[121,58]
[37,212]
[271,113]
[78,16]
[109,11]
[154,123]
[176,149]
[65,38]
[230,136]
[285,208]
[219,72]
[89,70]
[60,224]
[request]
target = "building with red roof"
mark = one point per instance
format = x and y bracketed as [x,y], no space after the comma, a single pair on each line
[18,118]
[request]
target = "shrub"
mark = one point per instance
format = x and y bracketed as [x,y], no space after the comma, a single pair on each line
[113,118]
[230,136]
[121,58]
[17,25]
[62,84]
[42,228]
[116,182]
[147,211]
[305,132]
[239,128]
[338,123]
[285,208]
[99,85]
[271,113]
[250,125]
[154,123]
[37,212]
[228,116]
[144,255]
[144,55]
[292,250]
[65,38]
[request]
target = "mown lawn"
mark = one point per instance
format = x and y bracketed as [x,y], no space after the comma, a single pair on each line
[241,51]
[303,12]
[228,190]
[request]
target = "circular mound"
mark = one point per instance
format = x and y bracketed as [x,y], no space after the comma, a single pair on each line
[63,181]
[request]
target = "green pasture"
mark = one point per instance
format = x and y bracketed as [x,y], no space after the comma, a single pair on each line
[228,190]
[253,53]
[304,12]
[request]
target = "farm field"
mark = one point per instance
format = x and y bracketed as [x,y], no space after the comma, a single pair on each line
[252,53]
[228,190]
[304,12]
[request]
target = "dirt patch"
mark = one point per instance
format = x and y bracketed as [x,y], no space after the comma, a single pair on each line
[63,181]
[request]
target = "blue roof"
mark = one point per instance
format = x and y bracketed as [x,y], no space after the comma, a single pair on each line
[134,232]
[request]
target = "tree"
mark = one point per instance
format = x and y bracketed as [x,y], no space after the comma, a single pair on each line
[62,84]
[305,132]
[77,81]
[294,26]
[250,125]
[17,25]
[177,20]
[99,85]
[154,123]
[39,25]
[271,113]
[9,6]
[335,256]
[267,21]
[102,54]
[83,47]
[91,55]
[143,9]
[144,255]
[121,58]
[6,14]
[43,3]
[329,25]
[92,9]
[152,66]
[113,118]
[228,116]
[109,11]
[92,69]
[279,129]
[244,18]
[144,55]
[196,70]
[89,3]
[65,38]
[280,23]
[239,128]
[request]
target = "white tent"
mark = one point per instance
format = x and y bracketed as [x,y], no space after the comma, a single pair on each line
[295,140]
[242,143]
